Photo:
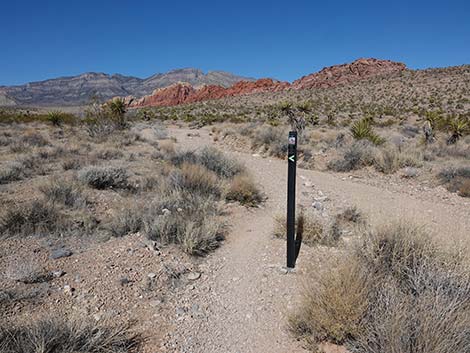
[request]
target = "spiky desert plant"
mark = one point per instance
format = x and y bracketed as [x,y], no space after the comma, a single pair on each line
[457,128]
[362,130]
[55,117]
[117,109]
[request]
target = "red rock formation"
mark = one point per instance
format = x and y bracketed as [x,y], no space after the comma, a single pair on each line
[175,94]
[180,93]
[346,73]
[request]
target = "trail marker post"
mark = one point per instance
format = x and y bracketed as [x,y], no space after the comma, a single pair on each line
[291,180]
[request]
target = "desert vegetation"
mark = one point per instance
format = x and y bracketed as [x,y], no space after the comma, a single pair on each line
[393,289]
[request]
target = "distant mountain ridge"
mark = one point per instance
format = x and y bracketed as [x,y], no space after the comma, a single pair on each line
[78,90]
[182,93]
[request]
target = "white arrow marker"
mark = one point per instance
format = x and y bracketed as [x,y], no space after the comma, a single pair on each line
[292,158]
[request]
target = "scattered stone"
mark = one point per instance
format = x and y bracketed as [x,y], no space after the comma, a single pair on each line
[155,303]
[60,253]
[166,211]
[194,276]
[124,281]
[68,290]
[150,244]
[317,205]
[321,198]
[152,275]
[57,273]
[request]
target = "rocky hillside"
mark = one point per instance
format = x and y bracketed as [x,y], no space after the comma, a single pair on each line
[78,90]
[332,76]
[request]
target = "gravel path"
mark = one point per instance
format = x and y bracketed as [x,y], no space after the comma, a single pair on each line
[241,301]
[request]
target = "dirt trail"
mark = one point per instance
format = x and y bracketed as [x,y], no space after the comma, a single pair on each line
[241,300]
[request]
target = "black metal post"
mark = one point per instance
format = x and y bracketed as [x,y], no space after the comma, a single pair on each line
[291,178]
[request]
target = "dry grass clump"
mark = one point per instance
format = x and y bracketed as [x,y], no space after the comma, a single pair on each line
[53,335]
[104,177]
[386,159]
[188,219]
[395,290]
[36,217]
[64,192]
[313,229]
[244,190]
[126,221]
[195,178]
[211,159]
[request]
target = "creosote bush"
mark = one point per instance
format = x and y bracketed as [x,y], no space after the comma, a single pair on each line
[394,290]
[54,335]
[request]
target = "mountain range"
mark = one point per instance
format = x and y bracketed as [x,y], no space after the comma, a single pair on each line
[78,90]
[183,85]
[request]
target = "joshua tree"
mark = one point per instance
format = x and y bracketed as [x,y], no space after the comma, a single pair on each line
[296,120]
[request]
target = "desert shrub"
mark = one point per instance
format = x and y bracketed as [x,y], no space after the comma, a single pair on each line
[27,271]
[36,217]
[313,230]
[187,219]
[456,179]
[350,214]
[108,154]
[55,335]
[359,154]
[129,220]
[71,164]
[104,177]
[34,139]
[195,178]
[389,159]
[20,169]
[210,158]
[464,189]
[272,139]
[244,190]
[64,192]
[216,161]
[395,290]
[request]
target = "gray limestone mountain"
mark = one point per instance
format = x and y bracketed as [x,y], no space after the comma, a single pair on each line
[78,90]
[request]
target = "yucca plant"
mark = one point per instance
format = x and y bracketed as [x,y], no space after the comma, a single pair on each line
[117,109]
[362,130]
[457,128]
[55,118]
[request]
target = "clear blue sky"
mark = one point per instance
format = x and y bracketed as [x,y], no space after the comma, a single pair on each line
[281,39]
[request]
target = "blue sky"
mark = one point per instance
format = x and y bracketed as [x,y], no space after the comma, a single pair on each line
[280,39]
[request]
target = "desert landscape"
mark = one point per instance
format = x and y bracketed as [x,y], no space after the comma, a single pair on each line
[149,215]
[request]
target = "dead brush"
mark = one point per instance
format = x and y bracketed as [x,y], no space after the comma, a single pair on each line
[394,290]
[33,218]
[243,189]
[313,229]
[56,335]
[195,178]
[64,192]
